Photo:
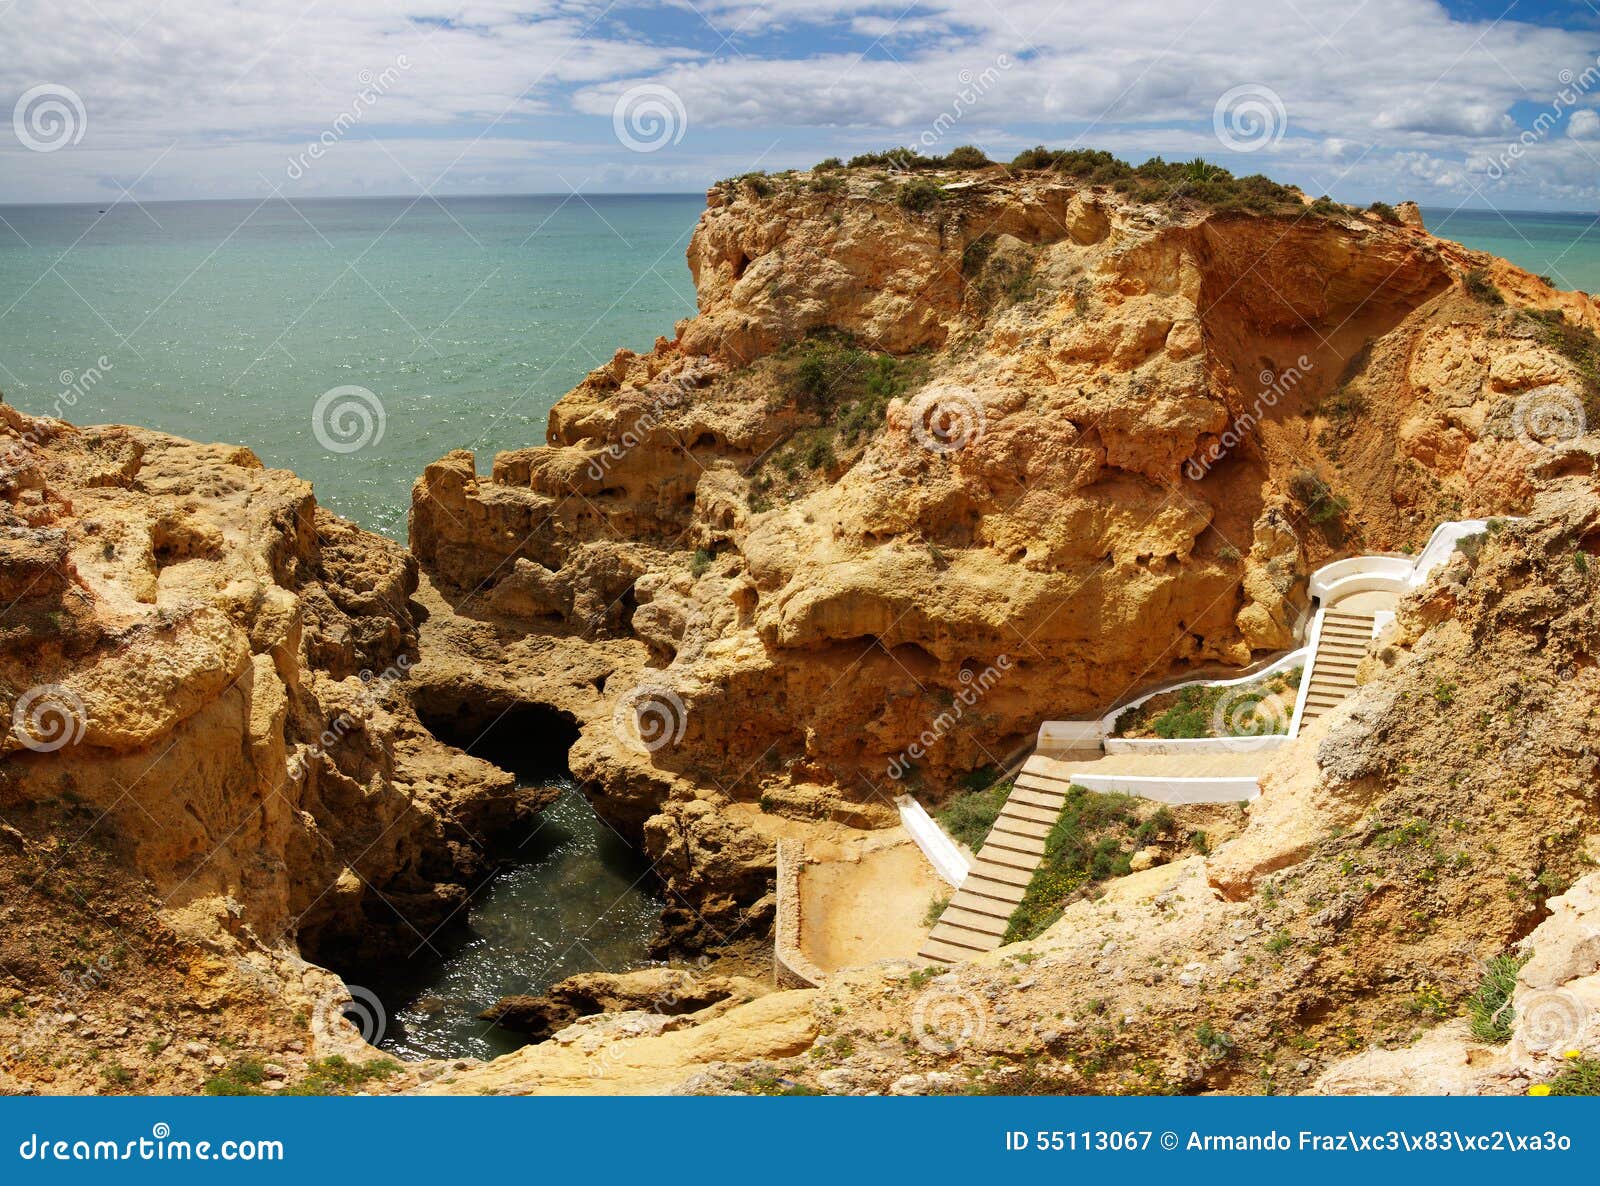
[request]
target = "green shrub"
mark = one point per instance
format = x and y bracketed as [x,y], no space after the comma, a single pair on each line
[243,1077]
[1321,504]
[827,164]
[968,156]
[847,387]
[1577,344]
[337,1075]
[1581,1077]
[700,562]
[1085,846]
[1489,1007]
[1385,212]
[969,817]
[919,194]
[1480,288]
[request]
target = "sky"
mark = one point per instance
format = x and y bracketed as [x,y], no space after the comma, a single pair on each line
[1466,102]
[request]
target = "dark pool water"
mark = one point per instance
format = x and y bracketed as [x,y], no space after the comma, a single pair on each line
[579,901]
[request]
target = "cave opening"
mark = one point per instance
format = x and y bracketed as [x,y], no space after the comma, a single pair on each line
[529,739]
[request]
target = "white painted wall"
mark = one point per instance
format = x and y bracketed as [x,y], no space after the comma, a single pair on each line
[942,852]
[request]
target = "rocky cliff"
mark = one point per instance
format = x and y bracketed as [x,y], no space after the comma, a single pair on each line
[1439,825]
[211,771]
[940,459]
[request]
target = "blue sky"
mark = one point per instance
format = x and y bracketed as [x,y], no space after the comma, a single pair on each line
[1475,102]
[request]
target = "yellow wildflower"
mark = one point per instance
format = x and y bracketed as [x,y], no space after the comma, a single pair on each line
[1539,1089]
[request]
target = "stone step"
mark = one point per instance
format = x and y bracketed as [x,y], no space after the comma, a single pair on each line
[1359,646]
[1043,781]
[1016,825]
[1005,874]
[1341,638]
[1331,686]
[944,951]
[978,904]
[1047,777]
[970,920]
[1027,813]
[1031,847]
[993,887]
[1341,662]
[1032,798]
[1009,858]
[1345,615]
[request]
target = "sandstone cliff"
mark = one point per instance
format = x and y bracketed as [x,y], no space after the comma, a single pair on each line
[915,479]
[1452,822]
[211,768]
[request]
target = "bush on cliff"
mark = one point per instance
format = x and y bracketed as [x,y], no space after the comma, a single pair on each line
[1093,839]
[969,817]
[1173,182]
[845,386]
[920,194]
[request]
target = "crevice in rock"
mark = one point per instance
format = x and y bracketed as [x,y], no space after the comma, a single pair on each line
[529,739]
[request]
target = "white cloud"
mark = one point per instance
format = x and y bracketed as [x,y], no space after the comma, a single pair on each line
[522,90]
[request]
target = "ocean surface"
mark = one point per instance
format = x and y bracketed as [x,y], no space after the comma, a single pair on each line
[465,318]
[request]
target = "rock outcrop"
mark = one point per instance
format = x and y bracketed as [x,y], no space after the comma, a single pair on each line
[1453,822]
[914,480]
[212,768]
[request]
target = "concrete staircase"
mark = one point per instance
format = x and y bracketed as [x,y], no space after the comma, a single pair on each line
[975,920]
[1343,642]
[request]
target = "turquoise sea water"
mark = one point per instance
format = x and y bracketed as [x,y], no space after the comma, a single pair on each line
[466,318]
[1565,247]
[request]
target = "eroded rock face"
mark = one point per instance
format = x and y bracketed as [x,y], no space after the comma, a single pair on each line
[1081,445]
[1441,818]
[203,677]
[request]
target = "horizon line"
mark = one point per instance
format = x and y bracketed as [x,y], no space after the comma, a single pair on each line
[419,197]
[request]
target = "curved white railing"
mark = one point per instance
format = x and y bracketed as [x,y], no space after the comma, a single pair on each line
[1096,733]
[1328,584]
